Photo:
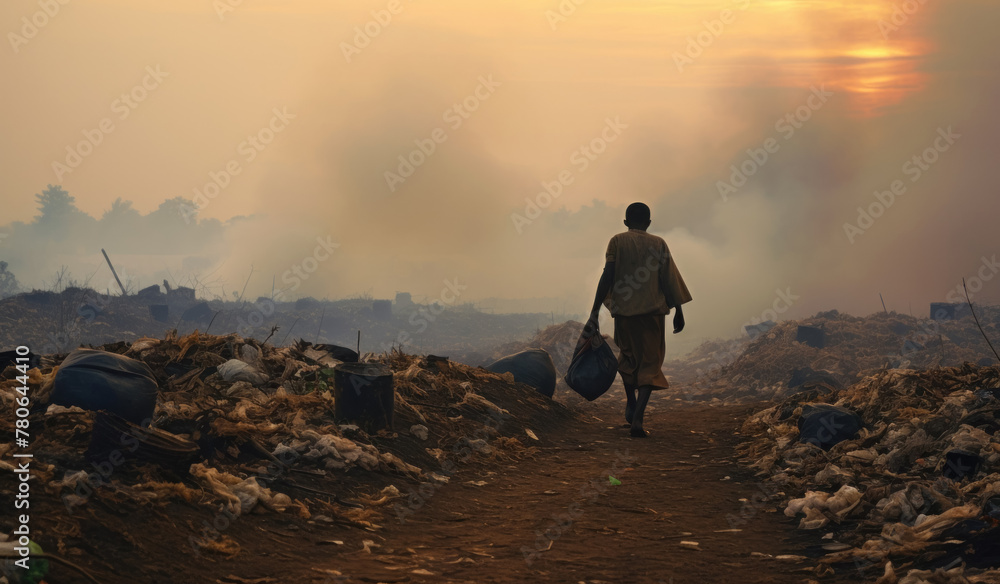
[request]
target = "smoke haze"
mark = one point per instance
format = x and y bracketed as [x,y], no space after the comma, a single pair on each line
[293,118]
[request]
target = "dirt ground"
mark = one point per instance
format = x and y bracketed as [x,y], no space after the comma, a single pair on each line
[553,516]
[557,518]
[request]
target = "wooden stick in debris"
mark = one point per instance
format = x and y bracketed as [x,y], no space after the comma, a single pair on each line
[336,498]
[883,303]
[266,453]
[320,329]
[359,344]
[245,284]
[274,329]
[289,332]
[211,321]
[967,298]
[117,279]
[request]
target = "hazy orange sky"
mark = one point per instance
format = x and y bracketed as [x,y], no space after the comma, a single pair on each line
[692,85]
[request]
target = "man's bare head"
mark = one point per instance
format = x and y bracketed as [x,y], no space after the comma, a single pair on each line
[637,216]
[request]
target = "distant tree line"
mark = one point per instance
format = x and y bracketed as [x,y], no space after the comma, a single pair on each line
[60,229]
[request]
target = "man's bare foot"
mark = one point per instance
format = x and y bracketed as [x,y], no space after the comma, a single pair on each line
[639,433]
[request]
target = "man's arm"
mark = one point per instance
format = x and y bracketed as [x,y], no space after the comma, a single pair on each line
[678,319]
[603,288]
[668,294]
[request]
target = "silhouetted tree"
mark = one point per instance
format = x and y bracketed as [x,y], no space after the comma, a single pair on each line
[120,212]
[59,219]
[55,205]
[8,282]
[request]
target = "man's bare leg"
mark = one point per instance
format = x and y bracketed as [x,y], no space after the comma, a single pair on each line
[642,400]
[629,404]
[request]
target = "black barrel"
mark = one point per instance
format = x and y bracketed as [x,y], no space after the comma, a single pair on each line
[363,393]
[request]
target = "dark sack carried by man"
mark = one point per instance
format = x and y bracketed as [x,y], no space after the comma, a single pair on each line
[593,368]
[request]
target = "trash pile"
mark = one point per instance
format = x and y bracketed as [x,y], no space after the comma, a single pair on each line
[900,472]
[558,340]
[58,322]
[701,365]
[841,347]
[242,427]
[52,322]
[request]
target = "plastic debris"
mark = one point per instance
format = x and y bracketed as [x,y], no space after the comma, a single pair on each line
[925,466]
[419,431]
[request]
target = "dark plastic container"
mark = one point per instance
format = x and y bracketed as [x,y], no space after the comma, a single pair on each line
[948,310]
[200,312]
[98,380]
[364,394]
[826,426]
[812,336]
[533,367]
[960,464]
[160,312]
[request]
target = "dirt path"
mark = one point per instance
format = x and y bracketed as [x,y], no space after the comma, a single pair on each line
[556,517]
[550,517]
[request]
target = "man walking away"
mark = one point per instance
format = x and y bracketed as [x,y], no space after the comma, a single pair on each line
[640,285]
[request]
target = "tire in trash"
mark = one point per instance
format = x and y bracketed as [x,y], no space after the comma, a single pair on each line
[533,367]
[826,426]
[97,380]
[593,369]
